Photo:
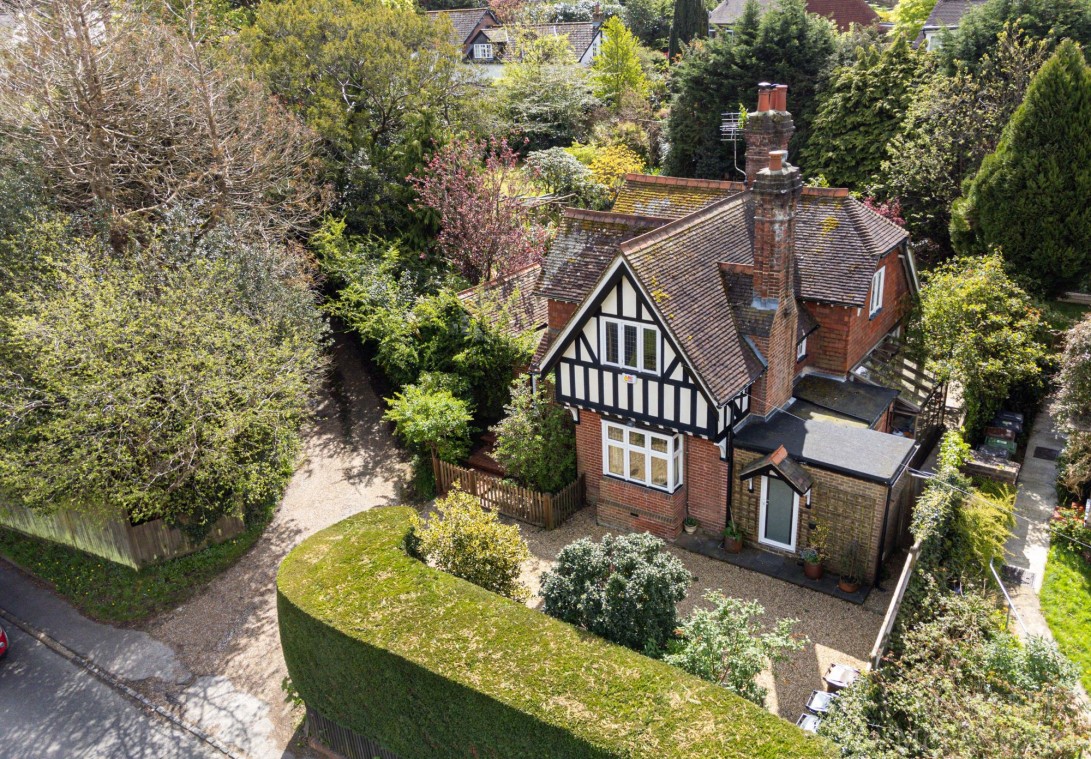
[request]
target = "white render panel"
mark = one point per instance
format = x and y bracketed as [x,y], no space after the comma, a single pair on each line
[566,388]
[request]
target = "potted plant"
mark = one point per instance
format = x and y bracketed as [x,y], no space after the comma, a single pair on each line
[732,537]
[815,552]
[690,524]
[852,568]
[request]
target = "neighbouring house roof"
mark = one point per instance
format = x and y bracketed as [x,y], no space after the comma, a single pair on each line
[890,365]
[581,34]
[855,451]
[464,21]
[949,13]
[784,465]
[585,244]
[512,297]
[844,13]
[855,400]
[670,197]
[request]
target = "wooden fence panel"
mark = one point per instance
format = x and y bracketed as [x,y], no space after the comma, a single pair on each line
[883,638]
[540,509]
[134,546]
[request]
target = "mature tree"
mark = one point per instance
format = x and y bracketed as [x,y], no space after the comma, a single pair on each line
[380,84]
[860,111]
[786,44]
[690,22]
[535,441]
[430,419]
[1072,405]
[951,126]
[1030,198]
[546,95]
[169,381]
[909,17]
[1048,20]
[616,74]
[485,228]
[980,329]
[650,21]
[127,115]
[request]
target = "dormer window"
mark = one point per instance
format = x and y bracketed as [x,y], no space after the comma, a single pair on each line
[877,282]
[630,345]
[483,52]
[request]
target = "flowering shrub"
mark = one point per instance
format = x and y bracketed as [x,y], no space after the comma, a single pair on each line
[1068,526]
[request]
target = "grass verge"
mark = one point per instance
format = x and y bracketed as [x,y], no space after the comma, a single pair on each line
[111,592]
[1066,605]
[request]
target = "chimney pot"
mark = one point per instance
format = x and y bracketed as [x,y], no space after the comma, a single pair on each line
[776,159]
[780,97]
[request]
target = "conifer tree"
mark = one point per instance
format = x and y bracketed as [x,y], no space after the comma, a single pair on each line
[786,45]
[690,22]
[859,113]
[616,74]
[1031,198]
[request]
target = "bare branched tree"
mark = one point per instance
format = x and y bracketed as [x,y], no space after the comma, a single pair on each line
[129,114]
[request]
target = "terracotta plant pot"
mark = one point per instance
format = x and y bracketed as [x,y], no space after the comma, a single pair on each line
[847,587]
[813,571]
[733,545]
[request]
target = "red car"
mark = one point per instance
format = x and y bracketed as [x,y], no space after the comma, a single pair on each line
[3,643]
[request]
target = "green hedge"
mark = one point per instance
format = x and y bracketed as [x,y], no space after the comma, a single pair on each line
[429,665]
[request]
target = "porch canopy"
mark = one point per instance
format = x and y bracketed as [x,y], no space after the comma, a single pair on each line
[784,466]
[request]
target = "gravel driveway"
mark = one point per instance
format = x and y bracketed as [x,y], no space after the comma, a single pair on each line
[838,630]
[227,634]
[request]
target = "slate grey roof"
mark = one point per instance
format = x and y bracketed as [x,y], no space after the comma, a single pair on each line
[511,297]
[585,244]
[844,13]
[679,265]
[855,451]
[949,13]
[580,34]
[852,399]
[464,21]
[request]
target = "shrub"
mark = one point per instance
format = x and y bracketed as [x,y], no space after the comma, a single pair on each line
[722,645]
[469,542]
[1070,531]
[432,667]
[624,589]
[429,417]
[954,451]
[981,527]
[535,442]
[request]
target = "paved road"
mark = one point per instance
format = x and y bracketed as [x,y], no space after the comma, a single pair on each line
[50,707]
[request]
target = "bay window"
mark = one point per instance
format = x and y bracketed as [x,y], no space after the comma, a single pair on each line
[643,457]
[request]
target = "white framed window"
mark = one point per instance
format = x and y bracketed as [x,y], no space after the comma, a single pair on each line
[801,349]
[877,282]
[630,345]
[646,458]
[779,514]
[483,52]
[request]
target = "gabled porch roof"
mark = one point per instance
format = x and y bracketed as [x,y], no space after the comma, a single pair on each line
[784,465]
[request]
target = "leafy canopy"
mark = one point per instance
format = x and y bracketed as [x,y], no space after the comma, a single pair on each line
[428,416]
[689,22]
[616,73]
[535,441]
[1029,198]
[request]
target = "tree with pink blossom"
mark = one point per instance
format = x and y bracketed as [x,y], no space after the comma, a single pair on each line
[486,226]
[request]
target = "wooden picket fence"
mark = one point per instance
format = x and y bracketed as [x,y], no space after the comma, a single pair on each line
[547,510]
[135,546]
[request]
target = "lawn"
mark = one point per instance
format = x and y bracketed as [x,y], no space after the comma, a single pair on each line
[1066,604]
[114,593]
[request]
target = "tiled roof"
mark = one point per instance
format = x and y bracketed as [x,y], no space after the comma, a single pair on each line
[670,197]
[843,12]
[513,297]
[580,34]
[679,265]
[838,244]
[785,465]
[586,243]
[464,22]
[948,13]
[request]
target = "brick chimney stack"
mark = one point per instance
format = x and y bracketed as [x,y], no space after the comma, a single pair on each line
[776,190]
[768,128]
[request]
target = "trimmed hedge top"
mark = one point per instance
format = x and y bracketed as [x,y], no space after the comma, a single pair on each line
[429,665]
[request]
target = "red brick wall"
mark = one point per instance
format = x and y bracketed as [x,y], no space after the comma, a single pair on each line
[847,334]
[560,312]
[706,483]
[589,452]
[628,506]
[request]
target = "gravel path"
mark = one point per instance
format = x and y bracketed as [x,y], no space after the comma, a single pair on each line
[838,630]
[227,635]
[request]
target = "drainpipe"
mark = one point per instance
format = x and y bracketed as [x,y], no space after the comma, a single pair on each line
[730,450]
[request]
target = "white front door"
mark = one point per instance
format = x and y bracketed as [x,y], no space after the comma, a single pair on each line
[779,514]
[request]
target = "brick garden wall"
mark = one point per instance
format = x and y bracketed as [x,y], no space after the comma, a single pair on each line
[852,509]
